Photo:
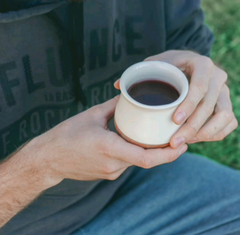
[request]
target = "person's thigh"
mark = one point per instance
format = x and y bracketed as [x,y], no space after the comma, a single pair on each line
[192,195]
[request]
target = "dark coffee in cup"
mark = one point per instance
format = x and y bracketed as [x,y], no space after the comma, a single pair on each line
[153,92]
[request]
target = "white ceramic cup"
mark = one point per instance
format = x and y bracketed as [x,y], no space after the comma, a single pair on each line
[144,125]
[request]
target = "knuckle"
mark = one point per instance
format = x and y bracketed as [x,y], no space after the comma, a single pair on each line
[108,169]
[205,135]
[150,58]
[226,89]
[145,162]
[192,129]
[202,87]
[223,75]
[221,137]
[195,60]
[208,109]
[228,115]
[235,123]
[191,54]
[217,137]
[207,61]
[191,105]
[112,177]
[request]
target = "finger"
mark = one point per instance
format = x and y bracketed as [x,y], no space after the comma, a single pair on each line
[226,131]
[200,69]
[106,109]
[117,147]
[203,111]
[117,84]
[219,120]
[224,100]
[177,58]
[155,157]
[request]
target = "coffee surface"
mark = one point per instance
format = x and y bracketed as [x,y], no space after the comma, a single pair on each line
[153,92]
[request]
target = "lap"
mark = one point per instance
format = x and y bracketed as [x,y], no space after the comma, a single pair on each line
[193,195]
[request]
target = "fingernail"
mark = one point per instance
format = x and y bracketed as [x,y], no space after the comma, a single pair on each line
[183,149]
[193,140]
[180,117]
[178,141]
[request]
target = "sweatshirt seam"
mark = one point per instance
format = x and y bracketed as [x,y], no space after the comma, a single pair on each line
[22,14]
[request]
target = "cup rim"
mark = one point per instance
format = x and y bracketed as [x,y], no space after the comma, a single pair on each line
[161,64]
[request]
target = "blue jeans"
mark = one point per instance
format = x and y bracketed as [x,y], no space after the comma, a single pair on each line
[193,195]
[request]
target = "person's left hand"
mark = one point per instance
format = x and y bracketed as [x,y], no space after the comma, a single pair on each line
[207,108]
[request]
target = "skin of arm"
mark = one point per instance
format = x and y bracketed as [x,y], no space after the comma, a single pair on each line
[74,149]
[22,179]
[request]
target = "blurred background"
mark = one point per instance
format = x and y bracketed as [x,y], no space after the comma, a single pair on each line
[223,18]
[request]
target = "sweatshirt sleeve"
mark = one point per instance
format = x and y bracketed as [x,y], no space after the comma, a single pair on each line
[185,28]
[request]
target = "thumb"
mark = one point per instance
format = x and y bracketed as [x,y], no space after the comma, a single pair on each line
[117,84]
[108,107]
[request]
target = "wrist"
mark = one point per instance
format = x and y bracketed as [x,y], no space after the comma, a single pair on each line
[38,154]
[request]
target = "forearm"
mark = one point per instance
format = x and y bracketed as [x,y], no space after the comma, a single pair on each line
[23,177]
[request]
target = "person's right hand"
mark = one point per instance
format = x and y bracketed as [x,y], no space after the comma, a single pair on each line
[83,148]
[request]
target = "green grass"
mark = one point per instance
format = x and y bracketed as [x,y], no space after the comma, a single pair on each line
[223,17]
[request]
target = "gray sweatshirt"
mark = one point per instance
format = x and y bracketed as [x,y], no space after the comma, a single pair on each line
[57,60]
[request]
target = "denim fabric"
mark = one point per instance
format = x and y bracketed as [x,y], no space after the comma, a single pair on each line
[193,195]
